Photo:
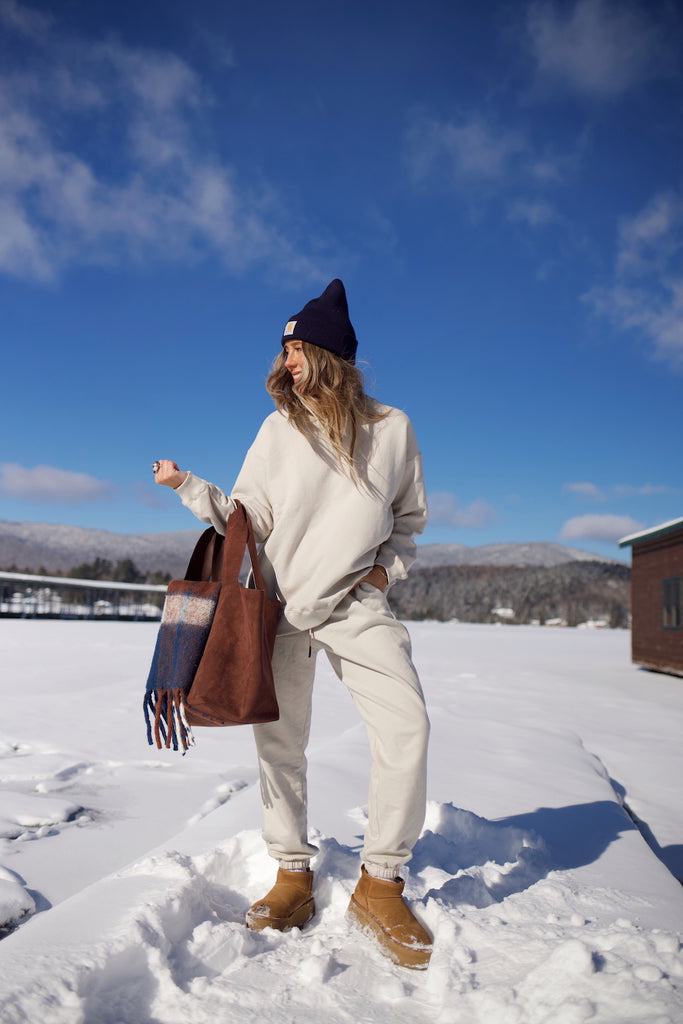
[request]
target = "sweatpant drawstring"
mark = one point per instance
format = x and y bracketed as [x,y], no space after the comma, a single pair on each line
[310,641]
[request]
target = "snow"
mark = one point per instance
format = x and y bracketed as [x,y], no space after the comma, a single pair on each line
[127,871]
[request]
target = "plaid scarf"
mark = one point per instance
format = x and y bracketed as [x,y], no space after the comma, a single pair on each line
[185,624]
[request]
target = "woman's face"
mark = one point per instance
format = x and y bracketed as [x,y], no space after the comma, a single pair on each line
[295,359]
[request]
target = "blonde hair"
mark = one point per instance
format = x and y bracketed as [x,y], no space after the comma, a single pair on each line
[330,396]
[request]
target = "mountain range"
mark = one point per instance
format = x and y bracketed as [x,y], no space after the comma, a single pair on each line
[542,554]
[33,547]
[38,547]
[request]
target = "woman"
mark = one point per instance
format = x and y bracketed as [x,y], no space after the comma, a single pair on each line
[334,488]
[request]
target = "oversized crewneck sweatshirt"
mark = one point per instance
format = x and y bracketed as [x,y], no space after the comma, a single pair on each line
[321,531]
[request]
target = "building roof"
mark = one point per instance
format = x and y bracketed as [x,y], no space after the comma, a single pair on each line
[68,581]
[655,531]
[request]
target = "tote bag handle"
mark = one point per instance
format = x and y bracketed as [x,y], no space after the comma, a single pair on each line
[219,558]
[239,533]
[206,562]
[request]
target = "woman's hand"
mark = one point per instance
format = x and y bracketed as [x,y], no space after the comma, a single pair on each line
[377,577]
[168,474]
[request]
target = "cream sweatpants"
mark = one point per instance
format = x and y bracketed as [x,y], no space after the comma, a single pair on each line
[370,653]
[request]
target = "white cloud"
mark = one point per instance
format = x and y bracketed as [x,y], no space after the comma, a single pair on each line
[599,48]
[48,485]
[641,491]
[656,314]
[592,492]
[148,188]
[552,171]
[218,48]
[585,490]
[600,527]
[535,213]
[646,293]
[653,236]
[466,150]
[446,510]
[22,249]
[25,21]
[485,160]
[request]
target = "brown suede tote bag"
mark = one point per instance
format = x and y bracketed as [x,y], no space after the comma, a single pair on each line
[233,684]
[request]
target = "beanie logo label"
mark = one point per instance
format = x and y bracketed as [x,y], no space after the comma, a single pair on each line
[289,329]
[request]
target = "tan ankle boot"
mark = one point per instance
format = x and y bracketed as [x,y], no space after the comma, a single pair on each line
[377,906]
[289,904]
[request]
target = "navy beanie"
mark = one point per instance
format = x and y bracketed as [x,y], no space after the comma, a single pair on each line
[325,322]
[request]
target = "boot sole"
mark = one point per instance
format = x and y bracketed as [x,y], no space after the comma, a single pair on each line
[412,957]
[297,919]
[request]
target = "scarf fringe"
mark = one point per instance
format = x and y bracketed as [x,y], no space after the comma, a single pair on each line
[166,719]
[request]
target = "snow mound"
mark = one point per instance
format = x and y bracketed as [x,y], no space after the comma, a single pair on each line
[23,812]
[180,950]
[462,859]
[24,817]
[15,902]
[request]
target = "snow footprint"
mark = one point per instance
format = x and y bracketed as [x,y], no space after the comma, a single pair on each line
[221,795]
[28,816]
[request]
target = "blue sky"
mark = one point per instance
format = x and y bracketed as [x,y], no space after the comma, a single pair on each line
[499,186]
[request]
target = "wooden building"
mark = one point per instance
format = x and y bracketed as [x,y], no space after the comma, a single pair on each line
[656,597]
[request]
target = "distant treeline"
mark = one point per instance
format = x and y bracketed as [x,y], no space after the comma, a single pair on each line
[122,571]
[574,592]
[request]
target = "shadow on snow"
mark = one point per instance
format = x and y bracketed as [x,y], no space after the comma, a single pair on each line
[464,859]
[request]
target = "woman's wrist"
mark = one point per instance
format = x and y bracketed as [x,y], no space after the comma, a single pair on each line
[377,577]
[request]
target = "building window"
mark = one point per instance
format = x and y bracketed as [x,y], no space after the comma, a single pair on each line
[671,603]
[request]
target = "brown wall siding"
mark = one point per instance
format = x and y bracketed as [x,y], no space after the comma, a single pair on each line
[653,562]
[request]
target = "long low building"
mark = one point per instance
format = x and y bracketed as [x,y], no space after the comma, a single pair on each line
[23,595]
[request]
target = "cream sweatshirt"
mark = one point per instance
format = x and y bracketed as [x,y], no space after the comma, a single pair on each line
[320,531]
